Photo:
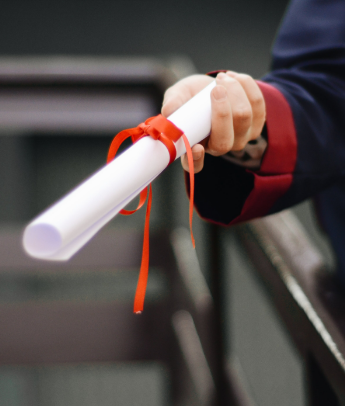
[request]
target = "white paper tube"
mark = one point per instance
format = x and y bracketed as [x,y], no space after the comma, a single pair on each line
[59,232]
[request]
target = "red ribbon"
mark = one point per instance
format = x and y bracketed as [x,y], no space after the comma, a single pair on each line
[163,130]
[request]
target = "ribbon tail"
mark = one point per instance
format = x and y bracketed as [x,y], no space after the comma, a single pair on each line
[144,269]
[118,140]
[191,179]
[143,195]
[159,128]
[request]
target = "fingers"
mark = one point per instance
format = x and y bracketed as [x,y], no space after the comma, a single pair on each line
[174,98]
[222,134]
[198,152]
[238,112]
[242,115]
[256,101]
[238,116]
[182,91]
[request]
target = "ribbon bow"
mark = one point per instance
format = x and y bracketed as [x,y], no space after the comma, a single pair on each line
[163,130]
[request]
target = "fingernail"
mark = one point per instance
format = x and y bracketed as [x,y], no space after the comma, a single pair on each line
[219,93]
[221,75]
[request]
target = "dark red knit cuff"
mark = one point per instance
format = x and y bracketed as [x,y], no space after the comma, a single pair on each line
[275,176]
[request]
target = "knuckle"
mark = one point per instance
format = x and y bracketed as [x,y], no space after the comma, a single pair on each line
[220,148]
[243,115]
[223,148]
[254,136]
[240,144]
[228,80]
[257,101]
[223,113]
[245,78]
[168,93]
[164,110]
[232,82]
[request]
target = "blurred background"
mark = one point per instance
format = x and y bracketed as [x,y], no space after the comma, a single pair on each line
[236,34]
[39,166]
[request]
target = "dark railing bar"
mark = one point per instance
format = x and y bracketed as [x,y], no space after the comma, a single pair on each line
[194,356]
[238,381]
[305,259]
[189,268]
[288,235]
[62,69]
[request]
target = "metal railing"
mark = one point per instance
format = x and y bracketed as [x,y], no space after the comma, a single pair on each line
[75,312]
[307,298]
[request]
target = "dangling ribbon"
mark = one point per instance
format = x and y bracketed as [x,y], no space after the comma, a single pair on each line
[163,130]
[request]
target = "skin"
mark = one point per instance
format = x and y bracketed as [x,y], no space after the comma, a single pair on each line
[238,113]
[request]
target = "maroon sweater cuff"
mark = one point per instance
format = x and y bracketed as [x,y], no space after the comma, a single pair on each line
[269,183]
[275,176]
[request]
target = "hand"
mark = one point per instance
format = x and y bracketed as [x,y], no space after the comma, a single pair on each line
[238,112]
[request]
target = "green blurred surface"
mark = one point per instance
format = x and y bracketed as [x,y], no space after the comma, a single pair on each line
[78,285]
[141,384]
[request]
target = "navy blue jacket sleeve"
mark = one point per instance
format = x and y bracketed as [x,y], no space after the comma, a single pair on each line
[305,100]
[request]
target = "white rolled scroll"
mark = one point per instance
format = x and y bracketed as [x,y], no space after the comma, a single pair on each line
[63,229]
